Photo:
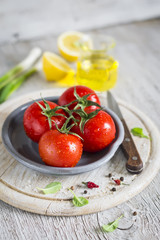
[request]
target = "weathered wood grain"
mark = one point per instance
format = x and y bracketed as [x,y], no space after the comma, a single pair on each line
[138,52]
[32,19]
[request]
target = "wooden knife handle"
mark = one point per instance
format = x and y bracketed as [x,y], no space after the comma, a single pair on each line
[134,163]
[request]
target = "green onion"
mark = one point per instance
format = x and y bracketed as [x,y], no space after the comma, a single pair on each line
[11,73]
[33,56]
[15,84]
[14,78]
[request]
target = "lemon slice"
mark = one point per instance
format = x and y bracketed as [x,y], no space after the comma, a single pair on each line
[69,44]
[54,67]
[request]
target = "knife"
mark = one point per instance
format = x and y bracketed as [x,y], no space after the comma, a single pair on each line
[134,162]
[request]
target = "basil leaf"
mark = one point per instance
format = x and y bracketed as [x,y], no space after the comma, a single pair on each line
[110,227]
[53,187]
[138,132]
[78,201]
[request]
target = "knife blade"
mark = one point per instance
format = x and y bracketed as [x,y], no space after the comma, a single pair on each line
[134,162]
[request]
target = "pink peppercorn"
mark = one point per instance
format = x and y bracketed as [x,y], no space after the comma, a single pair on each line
[91,185]
[117,181]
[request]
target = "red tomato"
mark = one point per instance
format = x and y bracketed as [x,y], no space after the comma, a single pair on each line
[36,124]
[99,132]
[68,96]
[60,150]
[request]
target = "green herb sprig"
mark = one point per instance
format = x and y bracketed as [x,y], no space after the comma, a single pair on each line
[52,187]
[13,85]
[138,132]
[78,201]
[14,78]
[110,227]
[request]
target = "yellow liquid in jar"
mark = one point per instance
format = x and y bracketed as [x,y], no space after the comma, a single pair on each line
[96,73]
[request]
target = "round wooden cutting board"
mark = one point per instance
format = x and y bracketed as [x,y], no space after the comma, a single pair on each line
[18,183]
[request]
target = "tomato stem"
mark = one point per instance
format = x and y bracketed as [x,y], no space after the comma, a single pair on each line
[82,103]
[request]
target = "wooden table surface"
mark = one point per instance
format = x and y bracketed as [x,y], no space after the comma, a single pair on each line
[138,53]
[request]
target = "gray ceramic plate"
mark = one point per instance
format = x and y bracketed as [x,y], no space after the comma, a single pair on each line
[25,150]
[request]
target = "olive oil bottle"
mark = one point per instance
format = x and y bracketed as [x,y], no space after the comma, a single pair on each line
[97,70]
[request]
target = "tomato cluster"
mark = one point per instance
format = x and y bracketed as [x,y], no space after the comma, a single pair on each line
[63,131]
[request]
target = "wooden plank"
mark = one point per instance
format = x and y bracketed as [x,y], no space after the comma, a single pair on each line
[41,18]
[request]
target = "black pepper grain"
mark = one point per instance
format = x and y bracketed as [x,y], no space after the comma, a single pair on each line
[134,213]
[122,179]
[85,191]
[110,175]
[113,189]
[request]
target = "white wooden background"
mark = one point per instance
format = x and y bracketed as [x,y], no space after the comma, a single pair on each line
[35,18]
[138,52]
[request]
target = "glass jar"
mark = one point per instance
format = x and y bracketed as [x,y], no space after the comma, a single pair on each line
[96,68]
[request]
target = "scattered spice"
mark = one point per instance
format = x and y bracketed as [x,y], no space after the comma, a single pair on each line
[134,213]
[72,188]
[113,189]
[85,191]
[117,181]
[90,185]
[110,175]
[122,179]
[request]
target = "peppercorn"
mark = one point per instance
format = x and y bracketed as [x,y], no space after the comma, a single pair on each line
[117,181]
[122,179]
[85,191]
[134,213]
[113,189]
[72,188]
[110,175]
